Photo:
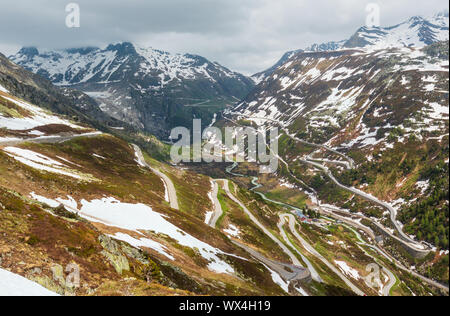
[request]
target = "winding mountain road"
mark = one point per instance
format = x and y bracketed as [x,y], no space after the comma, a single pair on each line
[170,187]
[289,272]
[216,205]
[409,242]
[397,263]
[252,217]
[292,273]
[314,274]
[291,220]
[386,290]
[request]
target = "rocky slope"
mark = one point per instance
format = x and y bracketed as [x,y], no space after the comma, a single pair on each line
[65,101]
[148,88]
[372,105]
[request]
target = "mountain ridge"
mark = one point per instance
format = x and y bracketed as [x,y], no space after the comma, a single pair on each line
[149,88]
[420,31]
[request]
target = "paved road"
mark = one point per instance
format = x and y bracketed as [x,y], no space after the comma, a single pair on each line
[286,250]
[404,238]
[170,187]
[314,274]
[329,212]
[216,205]
[336,162]
[407,240]
[392,279]
[290,273]
[314,252]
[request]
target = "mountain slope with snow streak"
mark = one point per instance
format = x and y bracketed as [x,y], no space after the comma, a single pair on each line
[318,94]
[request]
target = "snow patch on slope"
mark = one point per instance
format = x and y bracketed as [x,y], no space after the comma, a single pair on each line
[140,218]
[38,118]
[39,161]
[15,285]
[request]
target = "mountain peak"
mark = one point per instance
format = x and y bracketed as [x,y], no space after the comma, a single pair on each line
[416,18]
[29,51]
[442,14]
[417,31]
[325,46]
[81,50]
[122,48]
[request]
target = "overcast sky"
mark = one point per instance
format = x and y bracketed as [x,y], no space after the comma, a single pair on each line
[244,35]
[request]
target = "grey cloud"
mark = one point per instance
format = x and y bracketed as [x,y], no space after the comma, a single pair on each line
[244,35]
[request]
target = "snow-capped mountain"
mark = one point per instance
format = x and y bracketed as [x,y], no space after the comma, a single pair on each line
[260,76]
[39,90]
[417,32]
[149,88]
[326,46]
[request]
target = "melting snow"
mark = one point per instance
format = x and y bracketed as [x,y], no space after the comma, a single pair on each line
[285,183]
[38,118]
[9,139]
[232,231]
[38,161]
[143,242]
[343,266]
[2,89]
[137,217]
[140,217]
[278,279]
[15,285]
[208,217]
[423,186]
